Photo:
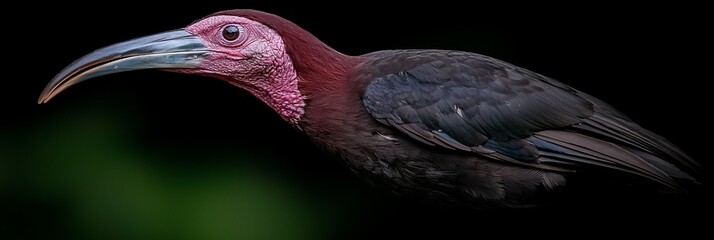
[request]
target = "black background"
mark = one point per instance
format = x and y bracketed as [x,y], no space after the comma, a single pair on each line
[652,62]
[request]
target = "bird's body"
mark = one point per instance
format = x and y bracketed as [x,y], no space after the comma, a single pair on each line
[450,125]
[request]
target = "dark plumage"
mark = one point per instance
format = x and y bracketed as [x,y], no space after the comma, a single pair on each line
[464,126]
[450,125]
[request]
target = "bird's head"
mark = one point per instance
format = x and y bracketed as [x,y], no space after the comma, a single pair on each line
[250,49]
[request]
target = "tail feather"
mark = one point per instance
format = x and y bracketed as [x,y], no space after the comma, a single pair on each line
[609,123]
[611,140]
[576,148]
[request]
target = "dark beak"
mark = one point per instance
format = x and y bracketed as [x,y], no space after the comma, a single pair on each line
[176,49]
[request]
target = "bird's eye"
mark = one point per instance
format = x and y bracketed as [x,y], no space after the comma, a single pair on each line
[231,32]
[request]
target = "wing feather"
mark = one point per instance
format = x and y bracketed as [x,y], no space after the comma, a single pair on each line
[472,103]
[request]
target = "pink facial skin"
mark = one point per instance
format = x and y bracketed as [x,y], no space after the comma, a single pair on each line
[255,61]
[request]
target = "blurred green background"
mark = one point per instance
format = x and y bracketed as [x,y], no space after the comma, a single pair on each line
[154,155]
[87,173]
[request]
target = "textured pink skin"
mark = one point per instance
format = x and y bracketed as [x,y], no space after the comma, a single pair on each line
[256,61]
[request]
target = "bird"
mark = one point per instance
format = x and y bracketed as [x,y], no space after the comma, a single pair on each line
[453,126]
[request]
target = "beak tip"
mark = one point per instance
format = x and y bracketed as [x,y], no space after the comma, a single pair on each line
[44,97]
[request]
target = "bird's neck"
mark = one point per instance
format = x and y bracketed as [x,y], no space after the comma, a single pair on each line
[321,70]
[319,67]
[323,77]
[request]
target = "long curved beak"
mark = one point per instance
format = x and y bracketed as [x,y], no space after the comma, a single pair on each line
[177,49]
